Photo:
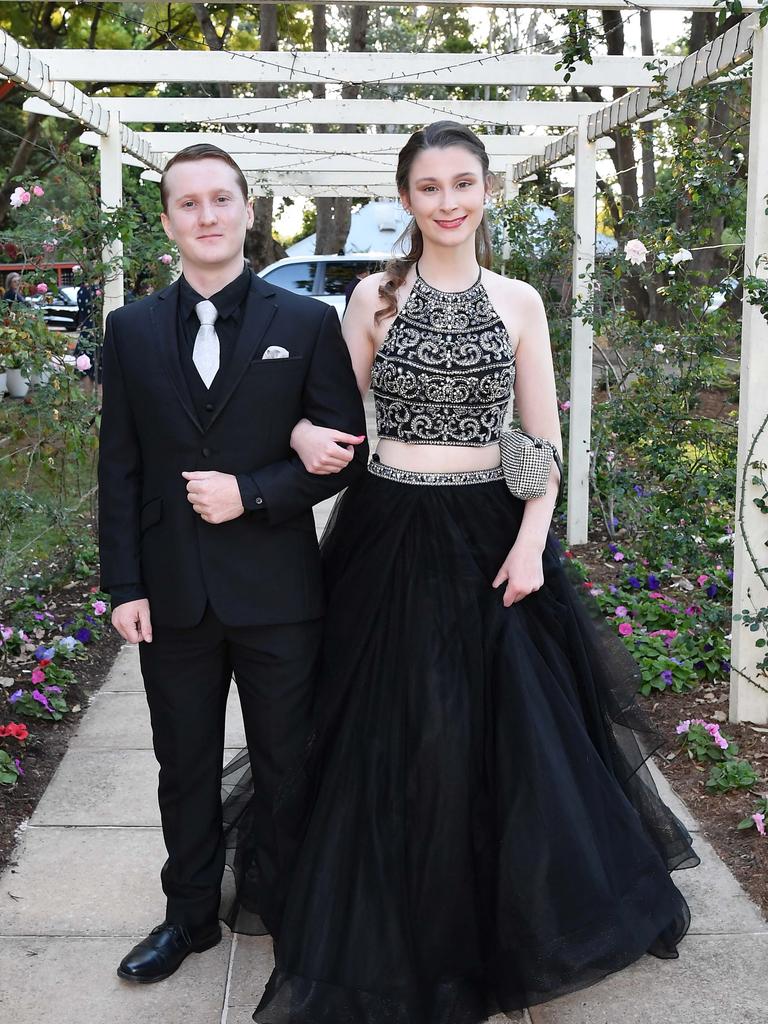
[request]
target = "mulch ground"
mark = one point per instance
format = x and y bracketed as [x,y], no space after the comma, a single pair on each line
[48,741]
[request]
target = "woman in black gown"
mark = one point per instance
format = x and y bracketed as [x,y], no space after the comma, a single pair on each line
[481,832]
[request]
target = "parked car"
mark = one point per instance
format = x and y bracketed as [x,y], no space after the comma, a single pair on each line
[60,310]
[323,277]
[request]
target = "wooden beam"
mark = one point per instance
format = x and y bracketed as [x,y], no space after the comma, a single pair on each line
[307,144]
[748,703]
[304,66]
[202,109]
[728,51]
[21,66]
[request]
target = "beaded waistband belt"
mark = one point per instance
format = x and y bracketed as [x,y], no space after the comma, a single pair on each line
[454,479]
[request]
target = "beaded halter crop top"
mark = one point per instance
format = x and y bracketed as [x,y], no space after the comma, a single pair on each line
[445,370]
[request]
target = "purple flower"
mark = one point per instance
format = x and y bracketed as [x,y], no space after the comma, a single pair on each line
[89,618]
[53,689]
[38,616]
[712,590]
[45,653]
[613,548]
[19,769]
[653,583]
[639,490]
[634,582]
[41,699]
[729,575]
[613,589]
[83,635]
[725,666]
[614,522]
[15,696]
[666,675]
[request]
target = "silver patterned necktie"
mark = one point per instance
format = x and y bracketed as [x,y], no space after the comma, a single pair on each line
[205,354]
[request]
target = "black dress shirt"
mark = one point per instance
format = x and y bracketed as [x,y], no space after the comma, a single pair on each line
[230,305]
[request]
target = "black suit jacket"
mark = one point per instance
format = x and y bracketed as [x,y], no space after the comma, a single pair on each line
[263,567]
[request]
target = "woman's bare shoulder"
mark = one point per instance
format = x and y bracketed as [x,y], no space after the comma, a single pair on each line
[512,288]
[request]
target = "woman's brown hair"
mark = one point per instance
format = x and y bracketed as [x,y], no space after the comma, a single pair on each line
[439,135]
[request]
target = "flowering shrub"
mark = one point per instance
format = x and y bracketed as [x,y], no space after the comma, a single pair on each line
[756,820]
[34,651]
[706,744]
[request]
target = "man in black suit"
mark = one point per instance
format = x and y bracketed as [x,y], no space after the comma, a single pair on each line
[208,544]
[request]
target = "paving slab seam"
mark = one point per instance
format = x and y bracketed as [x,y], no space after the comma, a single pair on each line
[228,984]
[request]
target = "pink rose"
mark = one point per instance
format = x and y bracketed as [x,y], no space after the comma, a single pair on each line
[635,252]
[25,197]
[166,258]
[83,363]
[625,629]
[565,406]
[41,288]
[38,191]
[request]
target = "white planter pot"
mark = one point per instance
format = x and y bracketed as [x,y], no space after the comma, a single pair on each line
[18,385]
[3,383]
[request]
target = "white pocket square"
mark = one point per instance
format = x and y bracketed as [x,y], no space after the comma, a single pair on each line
[276,352]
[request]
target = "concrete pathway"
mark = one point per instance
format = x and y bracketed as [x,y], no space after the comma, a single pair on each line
[85,887]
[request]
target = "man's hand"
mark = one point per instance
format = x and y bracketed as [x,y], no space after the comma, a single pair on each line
[132,621]
[214,496]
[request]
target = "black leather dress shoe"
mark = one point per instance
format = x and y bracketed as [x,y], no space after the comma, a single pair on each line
[163,952]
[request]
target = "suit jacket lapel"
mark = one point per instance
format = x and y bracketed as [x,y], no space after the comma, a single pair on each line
[251,341]
[164,319]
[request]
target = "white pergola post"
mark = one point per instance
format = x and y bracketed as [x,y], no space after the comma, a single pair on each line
[748,703]
[111,170]
[582,336]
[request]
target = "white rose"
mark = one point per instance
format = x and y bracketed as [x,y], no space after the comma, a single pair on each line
[681,256]
[635,252]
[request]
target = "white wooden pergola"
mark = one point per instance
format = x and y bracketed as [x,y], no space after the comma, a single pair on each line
[312,164]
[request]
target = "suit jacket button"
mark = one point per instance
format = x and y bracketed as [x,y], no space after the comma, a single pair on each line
[209,407]
[206,452]
[259,501]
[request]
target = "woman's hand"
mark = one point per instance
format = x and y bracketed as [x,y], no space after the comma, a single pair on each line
[522,571]
[322,449]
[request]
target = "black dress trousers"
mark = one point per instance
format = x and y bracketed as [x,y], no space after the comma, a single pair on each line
[187,674]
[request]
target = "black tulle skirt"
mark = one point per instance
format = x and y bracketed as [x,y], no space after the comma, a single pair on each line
[480,832]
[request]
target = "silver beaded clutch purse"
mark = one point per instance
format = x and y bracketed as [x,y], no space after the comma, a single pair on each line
[527,463]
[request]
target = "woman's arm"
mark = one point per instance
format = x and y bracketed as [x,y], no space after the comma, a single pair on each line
[536,402]
[322,449]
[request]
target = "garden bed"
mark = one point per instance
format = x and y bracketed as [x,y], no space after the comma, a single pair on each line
[48,740]
[745,851]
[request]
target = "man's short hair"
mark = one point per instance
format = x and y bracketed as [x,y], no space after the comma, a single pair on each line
[202,151]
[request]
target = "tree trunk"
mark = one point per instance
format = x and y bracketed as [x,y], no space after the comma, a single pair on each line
[334,216]
[19,163]
[261,248]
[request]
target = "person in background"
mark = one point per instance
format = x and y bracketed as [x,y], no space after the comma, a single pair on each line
[13,288]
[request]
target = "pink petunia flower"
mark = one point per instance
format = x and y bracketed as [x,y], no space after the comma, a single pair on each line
[99,607]
[701,580]
[83,363]
[622,610]
[625,629]
[683,726]
[38,676]
[618,557]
